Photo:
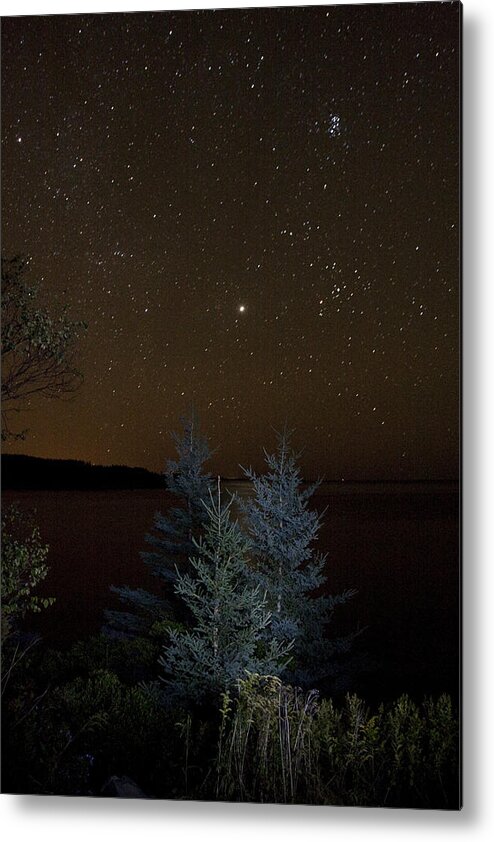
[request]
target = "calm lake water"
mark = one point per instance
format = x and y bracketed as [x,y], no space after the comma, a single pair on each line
[397,544]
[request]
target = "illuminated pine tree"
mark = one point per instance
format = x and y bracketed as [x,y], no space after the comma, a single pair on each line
[185,478]
[283,531]
[172,539]
[227,636]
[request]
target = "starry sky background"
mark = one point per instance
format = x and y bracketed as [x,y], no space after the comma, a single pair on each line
[256,211]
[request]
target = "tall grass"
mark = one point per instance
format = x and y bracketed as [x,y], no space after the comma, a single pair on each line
[265,741]
[278,744]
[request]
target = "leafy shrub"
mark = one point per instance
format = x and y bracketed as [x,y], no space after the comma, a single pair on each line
[23,568]
[80,733]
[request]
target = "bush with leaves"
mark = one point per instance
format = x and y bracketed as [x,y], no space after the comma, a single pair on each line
[132,660]
[80,732]
[23,569]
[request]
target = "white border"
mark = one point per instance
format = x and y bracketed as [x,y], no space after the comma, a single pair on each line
[54,818]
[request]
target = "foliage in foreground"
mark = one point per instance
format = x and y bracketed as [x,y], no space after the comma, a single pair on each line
[278,744]
[23,569]
[71,739]
[71,722]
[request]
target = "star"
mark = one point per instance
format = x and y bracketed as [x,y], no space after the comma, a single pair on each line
[334,125]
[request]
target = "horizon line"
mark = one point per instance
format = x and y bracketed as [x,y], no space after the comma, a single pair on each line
[228,478]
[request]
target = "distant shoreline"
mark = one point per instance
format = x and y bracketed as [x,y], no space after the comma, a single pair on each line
[33,473]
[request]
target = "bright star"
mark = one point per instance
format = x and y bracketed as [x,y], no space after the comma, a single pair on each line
[334,125]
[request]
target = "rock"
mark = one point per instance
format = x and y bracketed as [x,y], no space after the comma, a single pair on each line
[121,787]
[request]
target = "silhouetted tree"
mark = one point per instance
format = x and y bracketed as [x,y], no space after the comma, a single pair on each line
[38,349]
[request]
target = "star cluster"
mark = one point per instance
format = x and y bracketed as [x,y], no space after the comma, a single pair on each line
[256,211]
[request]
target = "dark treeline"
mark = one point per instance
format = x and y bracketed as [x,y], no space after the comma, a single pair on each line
[31,472]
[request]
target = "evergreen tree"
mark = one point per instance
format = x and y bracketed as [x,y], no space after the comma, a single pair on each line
[185,478]
[283,530]
[228,635]
[173,537]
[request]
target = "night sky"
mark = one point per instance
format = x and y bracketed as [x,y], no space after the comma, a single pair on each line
[256,211]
